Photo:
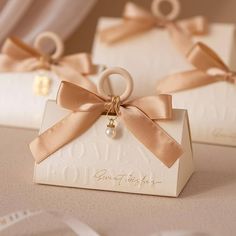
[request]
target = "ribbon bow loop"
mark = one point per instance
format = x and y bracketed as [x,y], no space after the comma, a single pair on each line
[17,49]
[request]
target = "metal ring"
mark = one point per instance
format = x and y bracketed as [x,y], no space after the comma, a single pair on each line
[173,14]
[120,71]
[59,45]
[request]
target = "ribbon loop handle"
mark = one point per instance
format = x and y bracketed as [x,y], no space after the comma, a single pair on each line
[57,41]
[119,71]
[172,15]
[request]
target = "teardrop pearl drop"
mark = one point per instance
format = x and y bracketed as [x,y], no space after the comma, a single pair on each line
[110,132]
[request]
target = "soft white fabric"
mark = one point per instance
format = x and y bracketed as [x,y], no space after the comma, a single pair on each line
[29,17]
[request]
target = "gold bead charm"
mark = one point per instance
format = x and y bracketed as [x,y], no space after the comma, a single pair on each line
[42,84]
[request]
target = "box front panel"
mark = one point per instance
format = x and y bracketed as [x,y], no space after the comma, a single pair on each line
[96,161]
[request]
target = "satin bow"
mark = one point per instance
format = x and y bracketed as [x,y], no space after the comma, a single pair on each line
[138,116]
[137,20]
[17,56]
[209,69]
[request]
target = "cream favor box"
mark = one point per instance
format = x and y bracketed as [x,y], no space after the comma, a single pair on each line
[95,160]
[211,112]
[151,55]
[29,77]
[208,92]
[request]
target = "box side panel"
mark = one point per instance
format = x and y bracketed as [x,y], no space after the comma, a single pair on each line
[186,165]
[232,63]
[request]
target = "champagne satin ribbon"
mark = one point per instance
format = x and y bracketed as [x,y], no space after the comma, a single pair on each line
[138,116]
[209,69]
[137,20]
[16,56]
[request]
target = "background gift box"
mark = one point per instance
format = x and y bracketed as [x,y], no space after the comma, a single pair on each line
[29,77]
[152,53]
[208,93]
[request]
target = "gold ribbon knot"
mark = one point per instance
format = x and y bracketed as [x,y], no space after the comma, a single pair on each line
[113,106]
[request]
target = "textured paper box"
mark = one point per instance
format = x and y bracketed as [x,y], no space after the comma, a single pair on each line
[97,162]
[152,56]
[212,112]
[19,106]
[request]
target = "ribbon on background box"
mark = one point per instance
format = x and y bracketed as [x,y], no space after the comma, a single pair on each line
[138,20]
[209,69]
[139,116]
[17,56]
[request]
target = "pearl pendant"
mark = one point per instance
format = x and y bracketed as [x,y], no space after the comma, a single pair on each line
[111,129]
[111,132]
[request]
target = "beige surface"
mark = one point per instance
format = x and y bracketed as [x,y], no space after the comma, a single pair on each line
[207,204]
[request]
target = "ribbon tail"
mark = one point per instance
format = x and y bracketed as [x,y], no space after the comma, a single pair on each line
[184,81]
[8,64]
[124,30]
[69,74]
[151,135]
[182,41]
[63,132]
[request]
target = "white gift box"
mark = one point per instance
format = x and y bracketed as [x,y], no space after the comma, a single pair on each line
[96,161]
[212,112]
[152,55]
[19,105]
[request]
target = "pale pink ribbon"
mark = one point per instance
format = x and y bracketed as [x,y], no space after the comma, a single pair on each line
[137,20]
[16,56]
[209,69]
[140,116]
